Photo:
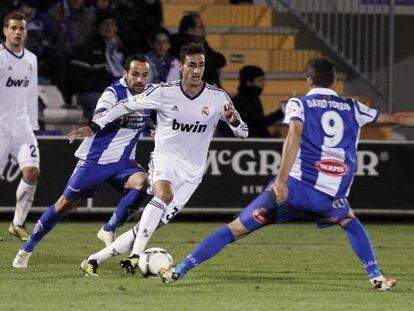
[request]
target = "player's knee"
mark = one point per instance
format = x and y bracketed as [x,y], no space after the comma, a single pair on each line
[163,190]
[238,229]
[31,174]
[347,219]
[166,196]
[137,181]
[64,205]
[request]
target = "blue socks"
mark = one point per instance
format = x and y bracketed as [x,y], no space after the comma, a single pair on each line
[128,204]
[47,222]
[208,248]
[361,245]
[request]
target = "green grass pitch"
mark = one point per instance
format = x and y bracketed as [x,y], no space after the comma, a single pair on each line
[286,267]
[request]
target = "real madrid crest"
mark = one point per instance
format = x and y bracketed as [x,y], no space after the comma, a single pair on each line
[205,112]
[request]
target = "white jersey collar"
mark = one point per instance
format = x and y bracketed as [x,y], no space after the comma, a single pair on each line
[321,91]
[123,82]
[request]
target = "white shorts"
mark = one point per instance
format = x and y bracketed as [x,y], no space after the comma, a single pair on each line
[163,169]
[23,148]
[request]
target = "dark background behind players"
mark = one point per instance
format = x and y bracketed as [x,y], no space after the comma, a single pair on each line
[247,103]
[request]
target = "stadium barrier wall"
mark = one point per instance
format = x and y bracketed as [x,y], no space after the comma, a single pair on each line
[236,172]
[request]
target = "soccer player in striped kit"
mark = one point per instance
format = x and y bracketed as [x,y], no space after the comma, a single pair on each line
[108,156]
[315,175]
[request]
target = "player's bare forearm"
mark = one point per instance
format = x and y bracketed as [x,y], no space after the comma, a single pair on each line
[404,118]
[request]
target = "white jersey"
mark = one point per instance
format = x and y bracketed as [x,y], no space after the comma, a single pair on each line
[118,140]
[18,92]
[185,125]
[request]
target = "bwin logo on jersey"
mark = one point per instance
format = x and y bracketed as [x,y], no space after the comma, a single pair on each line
[193,128]
[17,82]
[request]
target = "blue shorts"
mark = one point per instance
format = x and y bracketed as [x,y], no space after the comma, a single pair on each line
[303,202]
[87,177]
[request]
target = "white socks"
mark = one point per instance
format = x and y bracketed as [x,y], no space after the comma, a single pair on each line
[148,224]
[121,245]
[125,242]
[24,198]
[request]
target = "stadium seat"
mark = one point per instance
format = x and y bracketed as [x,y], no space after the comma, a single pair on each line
[268,60]
[287,88]
[221,15]
[55,111]
[251,41]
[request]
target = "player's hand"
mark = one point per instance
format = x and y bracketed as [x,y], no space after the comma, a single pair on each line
[84,131]
[281,191]
[230,113]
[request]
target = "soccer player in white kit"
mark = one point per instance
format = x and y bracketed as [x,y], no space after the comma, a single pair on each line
[18,118]
[187,115]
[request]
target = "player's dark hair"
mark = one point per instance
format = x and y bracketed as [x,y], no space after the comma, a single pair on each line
[14,15]
[191,48]
[137,57]
[188,21]
[321,71]
[249,73]
[156,32]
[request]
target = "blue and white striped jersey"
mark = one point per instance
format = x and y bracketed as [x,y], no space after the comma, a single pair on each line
[326,159]
[117,141]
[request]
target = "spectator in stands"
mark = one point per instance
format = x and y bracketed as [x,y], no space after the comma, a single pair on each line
[99,6]
[139,18]
[97,63]
[247,102]
[41,39]
[192,29]
[73,23]
[164,67]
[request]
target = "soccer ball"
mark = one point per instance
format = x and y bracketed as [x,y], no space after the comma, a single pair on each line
[152,260]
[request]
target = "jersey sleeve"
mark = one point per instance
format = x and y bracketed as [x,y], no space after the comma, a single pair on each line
[107,100]
[149,99]
[294,111]
[364,114]
[32,100]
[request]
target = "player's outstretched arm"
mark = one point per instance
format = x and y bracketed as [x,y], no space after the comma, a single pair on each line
[151,99]
[290,150]
[405,118]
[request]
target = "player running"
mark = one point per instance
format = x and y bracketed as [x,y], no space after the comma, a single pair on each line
[187,115]
[315,175]
[18,118]
[107,156]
